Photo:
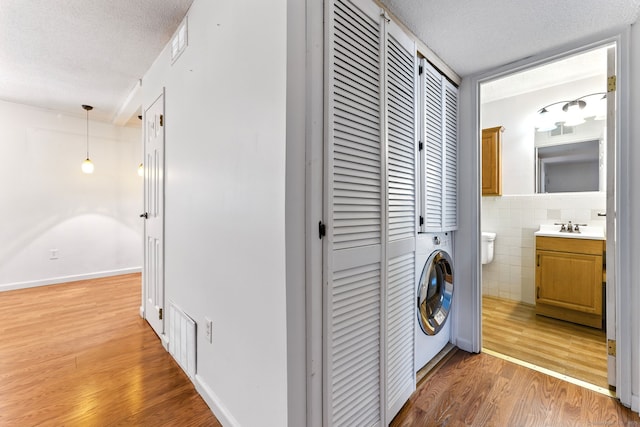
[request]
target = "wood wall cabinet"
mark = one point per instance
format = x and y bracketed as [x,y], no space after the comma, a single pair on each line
[569,279]
[492,161]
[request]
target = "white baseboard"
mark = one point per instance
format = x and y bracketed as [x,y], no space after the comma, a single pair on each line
[164,340]
[142,311]
[222,414]
[64,279]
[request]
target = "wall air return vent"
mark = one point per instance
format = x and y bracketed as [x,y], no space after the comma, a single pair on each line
[561,130]
[179,41]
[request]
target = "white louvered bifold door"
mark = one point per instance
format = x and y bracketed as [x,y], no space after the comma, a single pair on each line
[439,158]
[401,168]
[432,154]
[354,201]
[450,221]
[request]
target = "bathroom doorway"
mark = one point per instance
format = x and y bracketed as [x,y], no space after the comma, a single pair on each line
[557,125]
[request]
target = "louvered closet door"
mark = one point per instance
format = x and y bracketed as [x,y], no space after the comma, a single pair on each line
[451,156]
[401,169]
[431,117]
[355,216]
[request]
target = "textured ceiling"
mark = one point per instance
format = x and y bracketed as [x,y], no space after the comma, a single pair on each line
[59,54]
[473,36]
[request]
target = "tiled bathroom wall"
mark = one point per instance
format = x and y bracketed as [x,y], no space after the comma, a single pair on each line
[514,219]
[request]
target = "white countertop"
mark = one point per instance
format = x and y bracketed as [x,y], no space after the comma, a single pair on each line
[586,232]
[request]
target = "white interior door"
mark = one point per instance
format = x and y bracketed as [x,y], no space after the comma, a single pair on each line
[611,215]
[153,275]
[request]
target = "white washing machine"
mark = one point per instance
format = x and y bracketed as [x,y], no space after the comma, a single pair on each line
[434,293]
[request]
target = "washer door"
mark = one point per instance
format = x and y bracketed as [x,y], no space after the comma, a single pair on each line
[435,290]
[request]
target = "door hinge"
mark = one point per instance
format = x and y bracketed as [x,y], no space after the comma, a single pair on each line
[611,84]
[420,70]
[420,146]
[421,221]
[611,347]
[160,314]
[322,230]
[161,119]
[538,292]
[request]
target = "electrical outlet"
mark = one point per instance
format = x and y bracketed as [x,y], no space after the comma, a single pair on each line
[209,329]
[53,254]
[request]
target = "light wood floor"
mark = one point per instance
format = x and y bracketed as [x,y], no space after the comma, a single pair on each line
[513,329]
[482,390]
[78,354]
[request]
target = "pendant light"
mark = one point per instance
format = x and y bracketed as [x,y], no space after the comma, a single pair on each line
[87,165]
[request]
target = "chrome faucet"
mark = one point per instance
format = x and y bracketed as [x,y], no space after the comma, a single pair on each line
[569,228]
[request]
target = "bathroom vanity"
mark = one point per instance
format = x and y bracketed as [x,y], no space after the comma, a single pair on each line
[569,276]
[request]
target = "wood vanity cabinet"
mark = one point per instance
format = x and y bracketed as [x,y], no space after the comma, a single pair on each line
[569,279]
[492,161]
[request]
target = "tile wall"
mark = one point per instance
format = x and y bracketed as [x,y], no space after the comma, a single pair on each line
[514,219]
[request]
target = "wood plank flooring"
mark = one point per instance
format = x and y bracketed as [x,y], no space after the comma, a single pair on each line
[513,329]
[482,390]
[78,354]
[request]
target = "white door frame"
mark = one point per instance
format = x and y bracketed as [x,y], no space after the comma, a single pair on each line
[623,262]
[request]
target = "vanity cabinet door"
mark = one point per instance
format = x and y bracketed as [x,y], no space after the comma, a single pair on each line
[569,280]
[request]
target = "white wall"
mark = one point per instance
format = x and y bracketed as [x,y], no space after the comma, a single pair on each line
[225,201]
[515,219]
[517,114]
[46,202]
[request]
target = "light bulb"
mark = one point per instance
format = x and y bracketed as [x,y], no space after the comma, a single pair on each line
[87,166]
[545,121]
[140,169]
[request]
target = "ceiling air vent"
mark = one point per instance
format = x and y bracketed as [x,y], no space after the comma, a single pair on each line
[179,41]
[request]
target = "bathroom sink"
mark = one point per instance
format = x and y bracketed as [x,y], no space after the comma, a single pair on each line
[593,232]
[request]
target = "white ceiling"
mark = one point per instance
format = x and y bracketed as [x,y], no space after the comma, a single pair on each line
[577,67]
[60,54]
[473,36]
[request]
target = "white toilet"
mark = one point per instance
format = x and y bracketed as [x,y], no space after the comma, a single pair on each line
[487,246]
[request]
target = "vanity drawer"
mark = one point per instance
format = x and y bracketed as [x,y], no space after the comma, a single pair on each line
[567,244]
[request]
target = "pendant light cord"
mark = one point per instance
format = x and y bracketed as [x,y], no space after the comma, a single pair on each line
[87,133]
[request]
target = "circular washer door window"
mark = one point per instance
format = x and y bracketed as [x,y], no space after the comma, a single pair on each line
[434,292]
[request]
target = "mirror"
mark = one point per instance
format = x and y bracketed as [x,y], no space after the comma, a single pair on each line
[571,159]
